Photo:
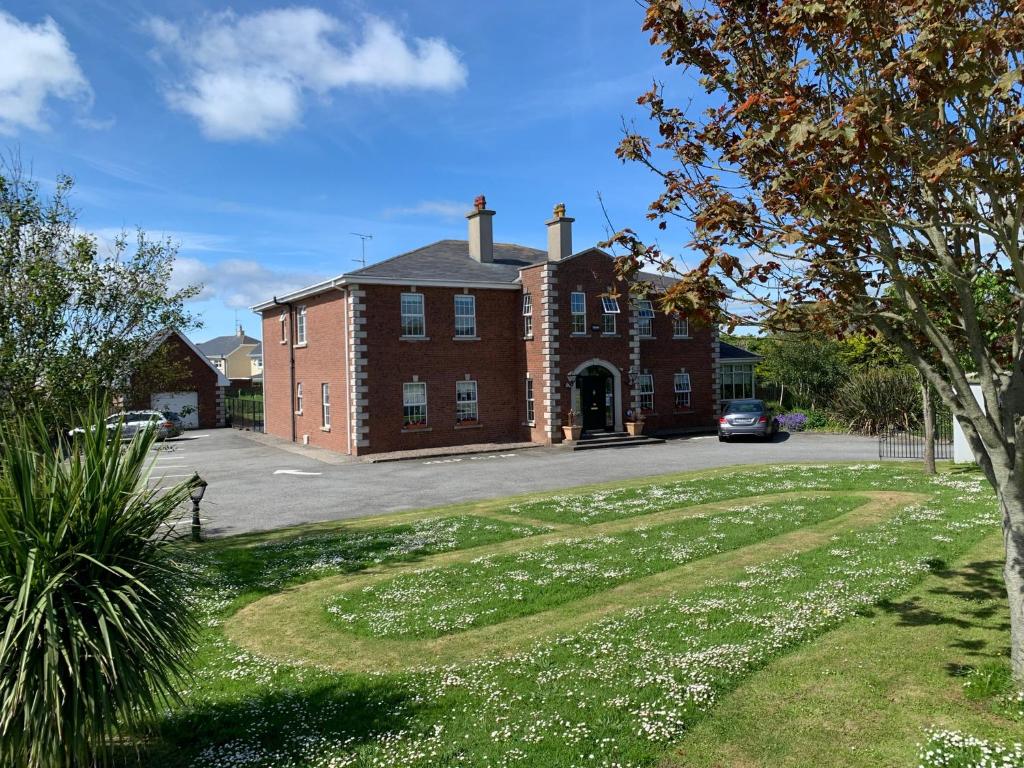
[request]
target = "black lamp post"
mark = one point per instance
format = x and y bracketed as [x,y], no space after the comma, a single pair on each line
[634,373]
[196,494]
[570,380]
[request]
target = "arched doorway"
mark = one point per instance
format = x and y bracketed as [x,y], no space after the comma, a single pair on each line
[597,395]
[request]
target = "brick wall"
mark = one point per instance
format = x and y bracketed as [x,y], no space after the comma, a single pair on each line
[321,360]
[494,361]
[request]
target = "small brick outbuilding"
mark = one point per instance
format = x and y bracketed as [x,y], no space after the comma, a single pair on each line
[199,397]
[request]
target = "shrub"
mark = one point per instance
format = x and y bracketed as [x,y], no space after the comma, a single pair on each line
[874,400]
[95,623]
[792,422]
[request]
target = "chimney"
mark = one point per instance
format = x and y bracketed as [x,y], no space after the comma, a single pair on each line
[559,235]
[241,331]
[481,231]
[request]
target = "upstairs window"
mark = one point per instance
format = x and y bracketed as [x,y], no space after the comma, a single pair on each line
[298,397]
[284,327]
[300,324]
[527,315]
[681,389]
[465,316]
[680,327]
[413,319]
[645,383]
[578,306]
[610,308]
[414,404]
[645,317]
[465,402]
[325,397]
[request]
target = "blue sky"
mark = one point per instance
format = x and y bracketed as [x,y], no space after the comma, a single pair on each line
[260,135]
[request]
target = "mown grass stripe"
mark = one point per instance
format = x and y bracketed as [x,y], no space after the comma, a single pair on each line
[293,625]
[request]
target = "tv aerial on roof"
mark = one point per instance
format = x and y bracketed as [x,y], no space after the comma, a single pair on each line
[363,238]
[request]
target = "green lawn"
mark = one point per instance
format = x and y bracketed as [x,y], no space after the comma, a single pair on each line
[728,618]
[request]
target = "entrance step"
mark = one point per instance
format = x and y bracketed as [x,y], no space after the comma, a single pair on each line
[614,440]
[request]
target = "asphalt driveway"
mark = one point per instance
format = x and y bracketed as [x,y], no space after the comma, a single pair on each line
[256,486]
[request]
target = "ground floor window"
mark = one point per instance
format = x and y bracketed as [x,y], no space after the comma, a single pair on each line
[414,404]
[645,383]
[465,402]
[681,389]
[325,396]
[529,399]
[737,381]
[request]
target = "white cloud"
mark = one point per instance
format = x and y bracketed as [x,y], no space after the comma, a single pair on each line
[441,209]
[36,64]
[238,283]
[247,76]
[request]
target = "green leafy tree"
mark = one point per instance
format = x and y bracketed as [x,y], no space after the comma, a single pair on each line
[809,368]
[863,157]
[73,321]
[95,621]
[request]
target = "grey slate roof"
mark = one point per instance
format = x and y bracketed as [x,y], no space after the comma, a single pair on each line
[730,352]
[224,345]
[257,350]
[450,260]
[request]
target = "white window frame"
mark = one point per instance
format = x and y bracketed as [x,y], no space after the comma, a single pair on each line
[284,327]
[300,324]
[325,405]
[645,390]
[579,315]
[681,388]
[609,305]
[608,324]
[527,316]
[467,329]
[645,318]
[678,321]
[411,401]
[298,397]
[421,315]
[530,413]
[470,404]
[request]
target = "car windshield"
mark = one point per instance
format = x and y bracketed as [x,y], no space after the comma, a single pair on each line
[747,406]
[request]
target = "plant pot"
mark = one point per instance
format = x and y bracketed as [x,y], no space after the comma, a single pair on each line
[634,428]
[572,433]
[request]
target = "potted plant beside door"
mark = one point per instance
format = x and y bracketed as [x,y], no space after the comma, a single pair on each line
[634,426]
[572,430]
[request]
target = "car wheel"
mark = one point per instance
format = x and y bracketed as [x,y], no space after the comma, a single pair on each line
[723,439]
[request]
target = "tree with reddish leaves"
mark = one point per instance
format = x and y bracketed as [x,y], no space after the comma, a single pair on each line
[857,166]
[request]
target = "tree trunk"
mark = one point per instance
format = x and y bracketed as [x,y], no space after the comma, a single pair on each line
[1013,575]
[928,406]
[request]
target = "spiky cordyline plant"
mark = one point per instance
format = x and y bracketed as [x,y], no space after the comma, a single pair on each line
[94,621]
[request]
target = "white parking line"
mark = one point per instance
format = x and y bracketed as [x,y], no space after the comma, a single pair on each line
[472,458]
[187,474]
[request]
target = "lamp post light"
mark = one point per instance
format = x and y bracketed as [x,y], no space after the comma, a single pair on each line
[196,494]
[634,373]
[570,380]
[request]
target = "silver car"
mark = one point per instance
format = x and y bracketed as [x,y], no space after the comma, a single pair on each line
[746,417]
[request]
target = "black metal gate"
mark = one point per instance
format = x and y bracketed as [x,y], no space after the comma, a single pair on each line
[909,443]
[245,413]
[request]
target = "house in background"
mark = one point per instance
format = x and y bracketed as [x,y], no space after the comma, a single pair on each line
[230,355]
[256,365]
[736,371]
[198,397]
[473,341]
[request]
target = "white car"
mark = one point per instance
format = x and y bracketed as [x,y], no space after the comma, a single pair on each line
[135,421]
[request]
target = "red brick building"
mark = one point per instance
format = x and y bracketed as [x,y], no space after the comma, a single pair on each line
[199,396]
[474,341]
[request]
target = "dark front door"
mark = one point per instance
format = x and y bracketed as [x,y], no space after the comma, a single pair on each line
[593,401]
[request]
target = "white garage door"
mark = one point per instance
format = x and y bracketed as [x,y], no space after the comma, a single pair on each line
[184,403]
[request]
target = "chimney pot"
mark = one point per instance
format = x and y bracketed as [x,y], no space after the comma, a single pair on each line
[481,231]
[559,234]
